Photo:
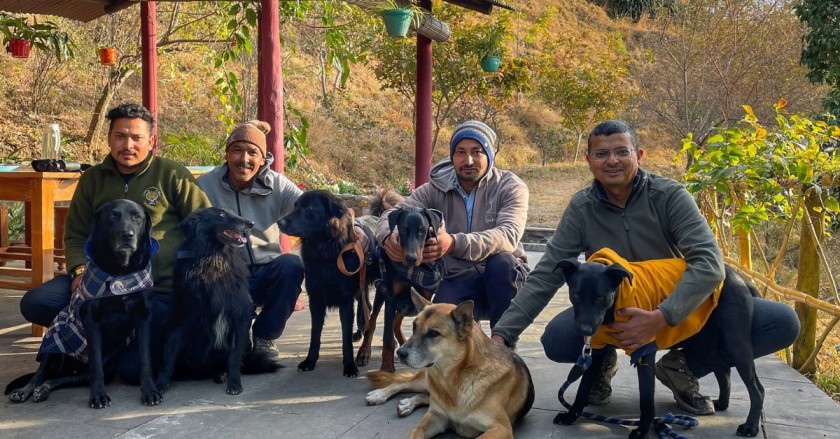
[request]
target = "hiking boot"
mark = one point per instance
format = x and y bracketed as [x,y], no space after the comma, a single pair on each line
[602,390]
[674,373]
[266,348]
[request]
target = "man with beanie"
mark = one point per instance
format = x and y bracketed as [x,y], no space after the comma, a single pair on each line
[247,185]
[166,190]
[484,212]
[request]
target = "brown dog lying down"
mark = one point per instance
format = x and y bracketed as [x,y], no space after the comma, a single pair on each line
[472,384]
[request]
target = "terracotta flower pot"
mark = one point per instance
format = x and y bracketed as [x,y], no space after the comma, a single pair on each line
[107,56]
[19,48]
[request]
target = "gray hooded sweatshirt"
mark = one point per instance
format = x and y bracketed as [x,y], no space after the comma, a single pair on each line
[498,217]
[270,197]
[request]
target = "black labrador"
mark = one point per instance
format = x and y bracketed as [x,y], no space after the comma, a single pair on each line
[593,290]
[211,304]
[415,225]
[111,300]
[325,228]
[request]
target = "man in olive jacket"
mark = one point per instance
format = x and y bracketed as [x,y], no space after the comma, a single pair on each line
[165,189]
[484,213]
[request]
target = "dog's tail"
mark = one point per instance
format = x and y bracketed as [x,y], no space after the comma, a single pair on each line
[379,379]
[529,398]
[256,362]
[383,200]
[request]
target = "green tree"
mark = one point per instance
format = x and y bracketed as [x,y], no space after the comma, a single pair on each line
[459,82]
[821,51]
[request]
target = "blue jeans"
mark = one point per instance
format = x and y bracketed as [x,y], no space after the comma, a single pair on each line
[774,327]
[491,291]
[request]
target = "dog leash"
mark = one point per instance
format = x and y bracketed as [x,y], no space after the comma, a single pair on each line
[355,246]
[583,362]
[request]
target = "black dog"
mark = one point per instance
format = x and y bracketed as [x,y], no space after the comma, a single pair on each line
[593,290]
[415,225]
[325,228]
[112,299]
[211,306]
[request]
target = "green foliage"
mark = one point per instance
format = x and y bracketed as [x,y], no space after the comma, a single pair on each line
[344,187]
[770,168]
[821,50]
[192,149]
[295,137]
[43,36]
[405,188]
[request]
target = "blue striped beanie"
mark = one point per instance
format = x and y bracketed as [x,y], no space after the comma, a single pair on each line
[478,131]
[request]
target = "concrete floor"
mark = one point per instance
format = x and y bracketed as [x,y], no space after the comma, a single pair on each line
[324,404]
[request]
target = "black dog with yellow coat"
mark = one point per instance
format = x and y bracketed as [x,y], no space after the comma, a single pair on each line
[594,290]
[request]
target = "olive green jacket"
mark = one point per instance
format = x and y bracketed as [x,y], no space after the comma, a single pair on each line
[165,189]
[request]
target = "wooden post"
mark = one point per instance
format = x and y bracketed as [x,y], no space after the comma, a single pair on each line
[423,133]
[148,43]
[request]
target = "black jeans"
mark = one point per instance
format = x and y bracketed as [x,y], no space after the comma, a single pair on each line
[491,291]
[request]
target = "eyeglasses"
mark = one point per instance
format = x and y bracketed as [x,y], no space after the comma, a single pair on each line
[603,154]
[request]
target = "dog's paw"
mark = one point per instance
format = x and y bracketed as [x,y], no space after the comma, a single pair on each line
[406,406]
[376,397]
[151,398]
[362,357]
[721,405]
[19,395]
[220,378]
[747,430]
[99,401]
[638,434]
[41,393]
[567,418]
[351,371]
[233,388]
[162,386]
[306,365]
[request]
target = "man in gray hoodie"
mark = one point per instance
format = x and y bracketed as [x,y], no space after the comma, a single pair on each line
[247,185]
[484,212]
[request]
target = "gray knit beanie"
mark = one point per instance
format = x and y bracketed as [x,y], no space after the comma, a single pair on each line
[478,131]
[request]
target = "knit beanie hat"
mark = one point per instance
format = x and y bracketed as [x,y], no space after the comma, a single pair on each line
[252,132]
[478,131]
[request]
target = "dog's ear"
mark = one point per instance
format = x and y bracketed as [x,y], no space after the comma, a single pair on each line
[189,223]
[569,267]
[394,218]
[435,217]
[463,317]
[617,273]
[336,207]
[419,301]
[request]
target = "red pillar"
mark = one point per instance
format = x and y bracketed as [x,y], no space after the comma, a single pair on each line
[270,87]
[423,134]
[148,44]
[270,79]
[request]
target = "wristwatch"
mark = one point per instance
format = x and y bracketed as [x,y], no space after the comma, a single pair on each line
[78,270]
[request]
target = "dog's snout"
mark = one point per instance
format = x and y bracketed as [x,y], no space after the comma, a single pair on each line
[128,235]
[250,224]
[402,354]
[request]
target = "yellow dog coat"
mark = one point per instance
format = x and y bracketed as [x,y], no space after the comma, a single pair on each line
[653,281]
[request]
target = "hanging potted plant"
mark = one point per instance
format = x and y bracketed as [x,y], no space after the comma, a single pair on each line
[398,16]
[19,37]
[490,48]
[107,56]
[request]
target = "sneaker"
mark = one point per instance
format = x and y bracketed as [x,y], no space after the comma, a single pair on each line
[602,390]
[674,373]
[266,348]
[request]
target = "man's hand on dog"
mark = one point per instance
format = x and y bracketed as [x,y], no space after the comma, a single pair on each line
[640,329]
[434,249]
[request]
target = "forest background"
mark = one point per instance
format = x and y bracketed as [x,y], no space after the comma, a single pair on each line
[676,69]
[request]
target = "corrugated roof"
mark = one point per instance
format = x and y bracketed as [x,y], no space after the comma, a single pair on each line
[82,10]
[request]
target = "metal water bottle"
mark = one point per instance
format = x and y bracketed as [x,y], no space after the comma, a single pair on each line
[51,142]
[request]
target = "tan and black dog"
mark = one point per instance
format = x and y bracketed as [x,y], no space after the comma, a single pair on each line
[475,386]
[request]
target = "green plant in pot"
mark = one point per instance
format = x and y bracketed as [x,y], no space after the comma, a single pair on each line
[399,15]
[490,48]
[19,36]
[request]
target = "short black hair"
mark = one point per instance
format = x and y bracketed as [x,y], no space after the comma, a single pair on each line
[130,110]
[610,127]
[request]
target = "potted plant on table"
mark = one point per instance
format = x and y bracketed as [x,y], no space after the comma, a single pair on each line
[19,36]
[398,16]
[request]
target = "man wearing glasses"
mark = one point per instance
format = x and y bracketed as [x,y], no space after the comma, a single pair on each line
[641,216]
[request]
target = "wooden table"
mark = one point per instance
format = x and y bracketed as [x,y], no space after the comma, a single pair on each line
[41,190]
